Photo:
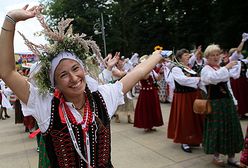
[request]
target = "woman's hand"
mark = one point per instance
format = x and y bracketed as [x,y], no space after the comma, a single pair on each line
[111,62]
[231,64]
[24,13]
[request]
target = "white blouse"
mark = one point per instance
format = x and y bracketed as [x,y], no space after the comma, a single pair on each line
[39,106]
[184,80]
[193,59]
[211,76]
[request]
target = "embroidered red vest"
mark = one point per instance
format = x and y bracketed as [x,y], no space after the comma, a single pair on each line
[59,146]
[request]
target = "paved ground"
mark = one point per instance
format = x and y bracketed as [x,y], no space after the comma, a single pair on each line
[131,147]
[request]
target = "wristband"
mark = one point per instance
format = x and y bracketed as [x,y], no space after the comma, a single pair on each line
[10,19]
[8,30]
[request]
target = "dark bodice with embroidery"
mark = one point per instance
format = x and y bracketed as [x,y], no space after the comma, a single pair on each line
[59,146]
[243,69]
[148,84]
[184,89]
[198,67]
[218,91]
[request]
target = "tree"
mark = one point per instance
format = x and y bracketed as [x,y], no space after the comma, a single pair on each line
[139,25]
[85,14]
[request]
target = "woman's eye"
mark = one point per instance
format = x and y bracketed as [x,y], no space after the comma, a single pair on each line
[75,68]
[63,75]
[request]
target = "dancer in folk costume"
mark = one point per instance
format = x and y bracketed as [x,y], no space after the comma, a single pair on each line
[5,103]
[170,84]
[163,87]
[118,72]
[240,94]
[162,90]
[184,127]
[148,111]
[244,153]
[74,122]
[222,129]
[197,61]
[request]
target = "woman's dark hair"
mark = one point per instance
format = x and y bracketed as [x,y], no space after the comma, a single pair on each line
[181,52]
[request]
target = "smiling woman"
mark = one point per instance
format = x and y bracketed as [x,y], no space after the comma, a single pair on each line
[74,120]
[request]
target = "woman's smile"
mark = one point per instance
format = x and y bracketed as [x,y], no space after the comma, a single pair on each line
[76,85]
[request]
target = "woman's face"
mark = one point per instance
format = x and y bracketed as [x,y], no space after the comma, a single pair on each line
[214,58]
[185,58]
[70,78]
[120,64]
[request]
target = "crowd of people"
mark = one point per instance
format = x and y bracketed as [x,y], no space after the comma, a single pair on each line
[73,107]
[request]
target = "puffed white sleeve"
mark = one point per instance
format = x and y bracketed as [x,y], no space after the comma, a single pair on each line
[234,72]
[235,56]
[112,95]
[92,83]
[184,80]
[212,76]
[38,106]
[192,59]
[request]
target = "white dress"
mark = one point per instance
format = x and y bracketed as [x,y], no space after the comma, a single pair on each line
[4,92]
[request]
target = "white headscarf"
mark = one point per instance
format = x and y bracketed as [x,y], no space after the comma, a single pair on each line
[55,62]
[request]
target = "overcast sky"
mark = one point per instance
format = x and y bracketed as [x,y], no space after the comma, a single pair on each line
[28,28]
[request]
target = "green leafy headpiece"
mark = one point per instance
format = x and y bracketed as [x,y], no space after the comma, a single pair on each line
[61,39]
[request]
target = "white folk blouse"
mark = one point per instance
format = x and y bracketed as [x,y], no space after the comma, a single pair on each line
[210,75]
[39,106]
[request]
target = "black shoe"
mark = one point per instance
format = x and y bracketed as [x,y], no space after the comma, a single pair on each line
[243,117]
[26,129]
[186,148]
[3,118]
[7,116]
[233,164]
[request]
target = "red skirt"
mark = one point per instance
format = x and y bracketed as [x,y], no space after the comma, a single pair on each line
[244,154]
[184,125]
[240,91]
[148,111]
[29,122]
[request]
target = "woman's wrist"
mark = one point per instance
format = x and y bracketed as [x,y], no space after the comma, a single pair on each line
[10,19]
[9,24]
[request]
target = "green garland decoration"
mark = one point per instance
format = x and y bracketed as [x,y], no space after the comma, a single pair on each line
[61,40]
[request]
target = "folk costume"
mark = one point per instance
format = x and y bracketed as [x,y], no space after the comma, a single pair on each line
[222,130]
[148,111]
[184,125]
[5,103]
[71,139]
[95,124]
[4,94]
[128,107]
[163,87]
[242,82]
[196,64]
[244,154]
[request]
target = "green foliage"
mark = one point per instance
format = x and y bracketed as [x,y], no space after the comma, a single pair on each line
[139,25]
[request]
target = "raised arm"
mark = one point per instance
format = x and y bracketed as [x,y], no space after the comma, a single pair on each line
[241,45]
[140,71]
[8,72]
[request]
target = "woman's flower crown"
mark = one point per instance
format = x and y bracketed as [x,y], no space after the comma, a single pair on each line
[62,40]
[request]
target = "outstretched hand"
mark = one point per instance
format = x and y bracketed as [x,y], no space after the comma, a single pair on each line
[24,13]
[112,61]
[231,64]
